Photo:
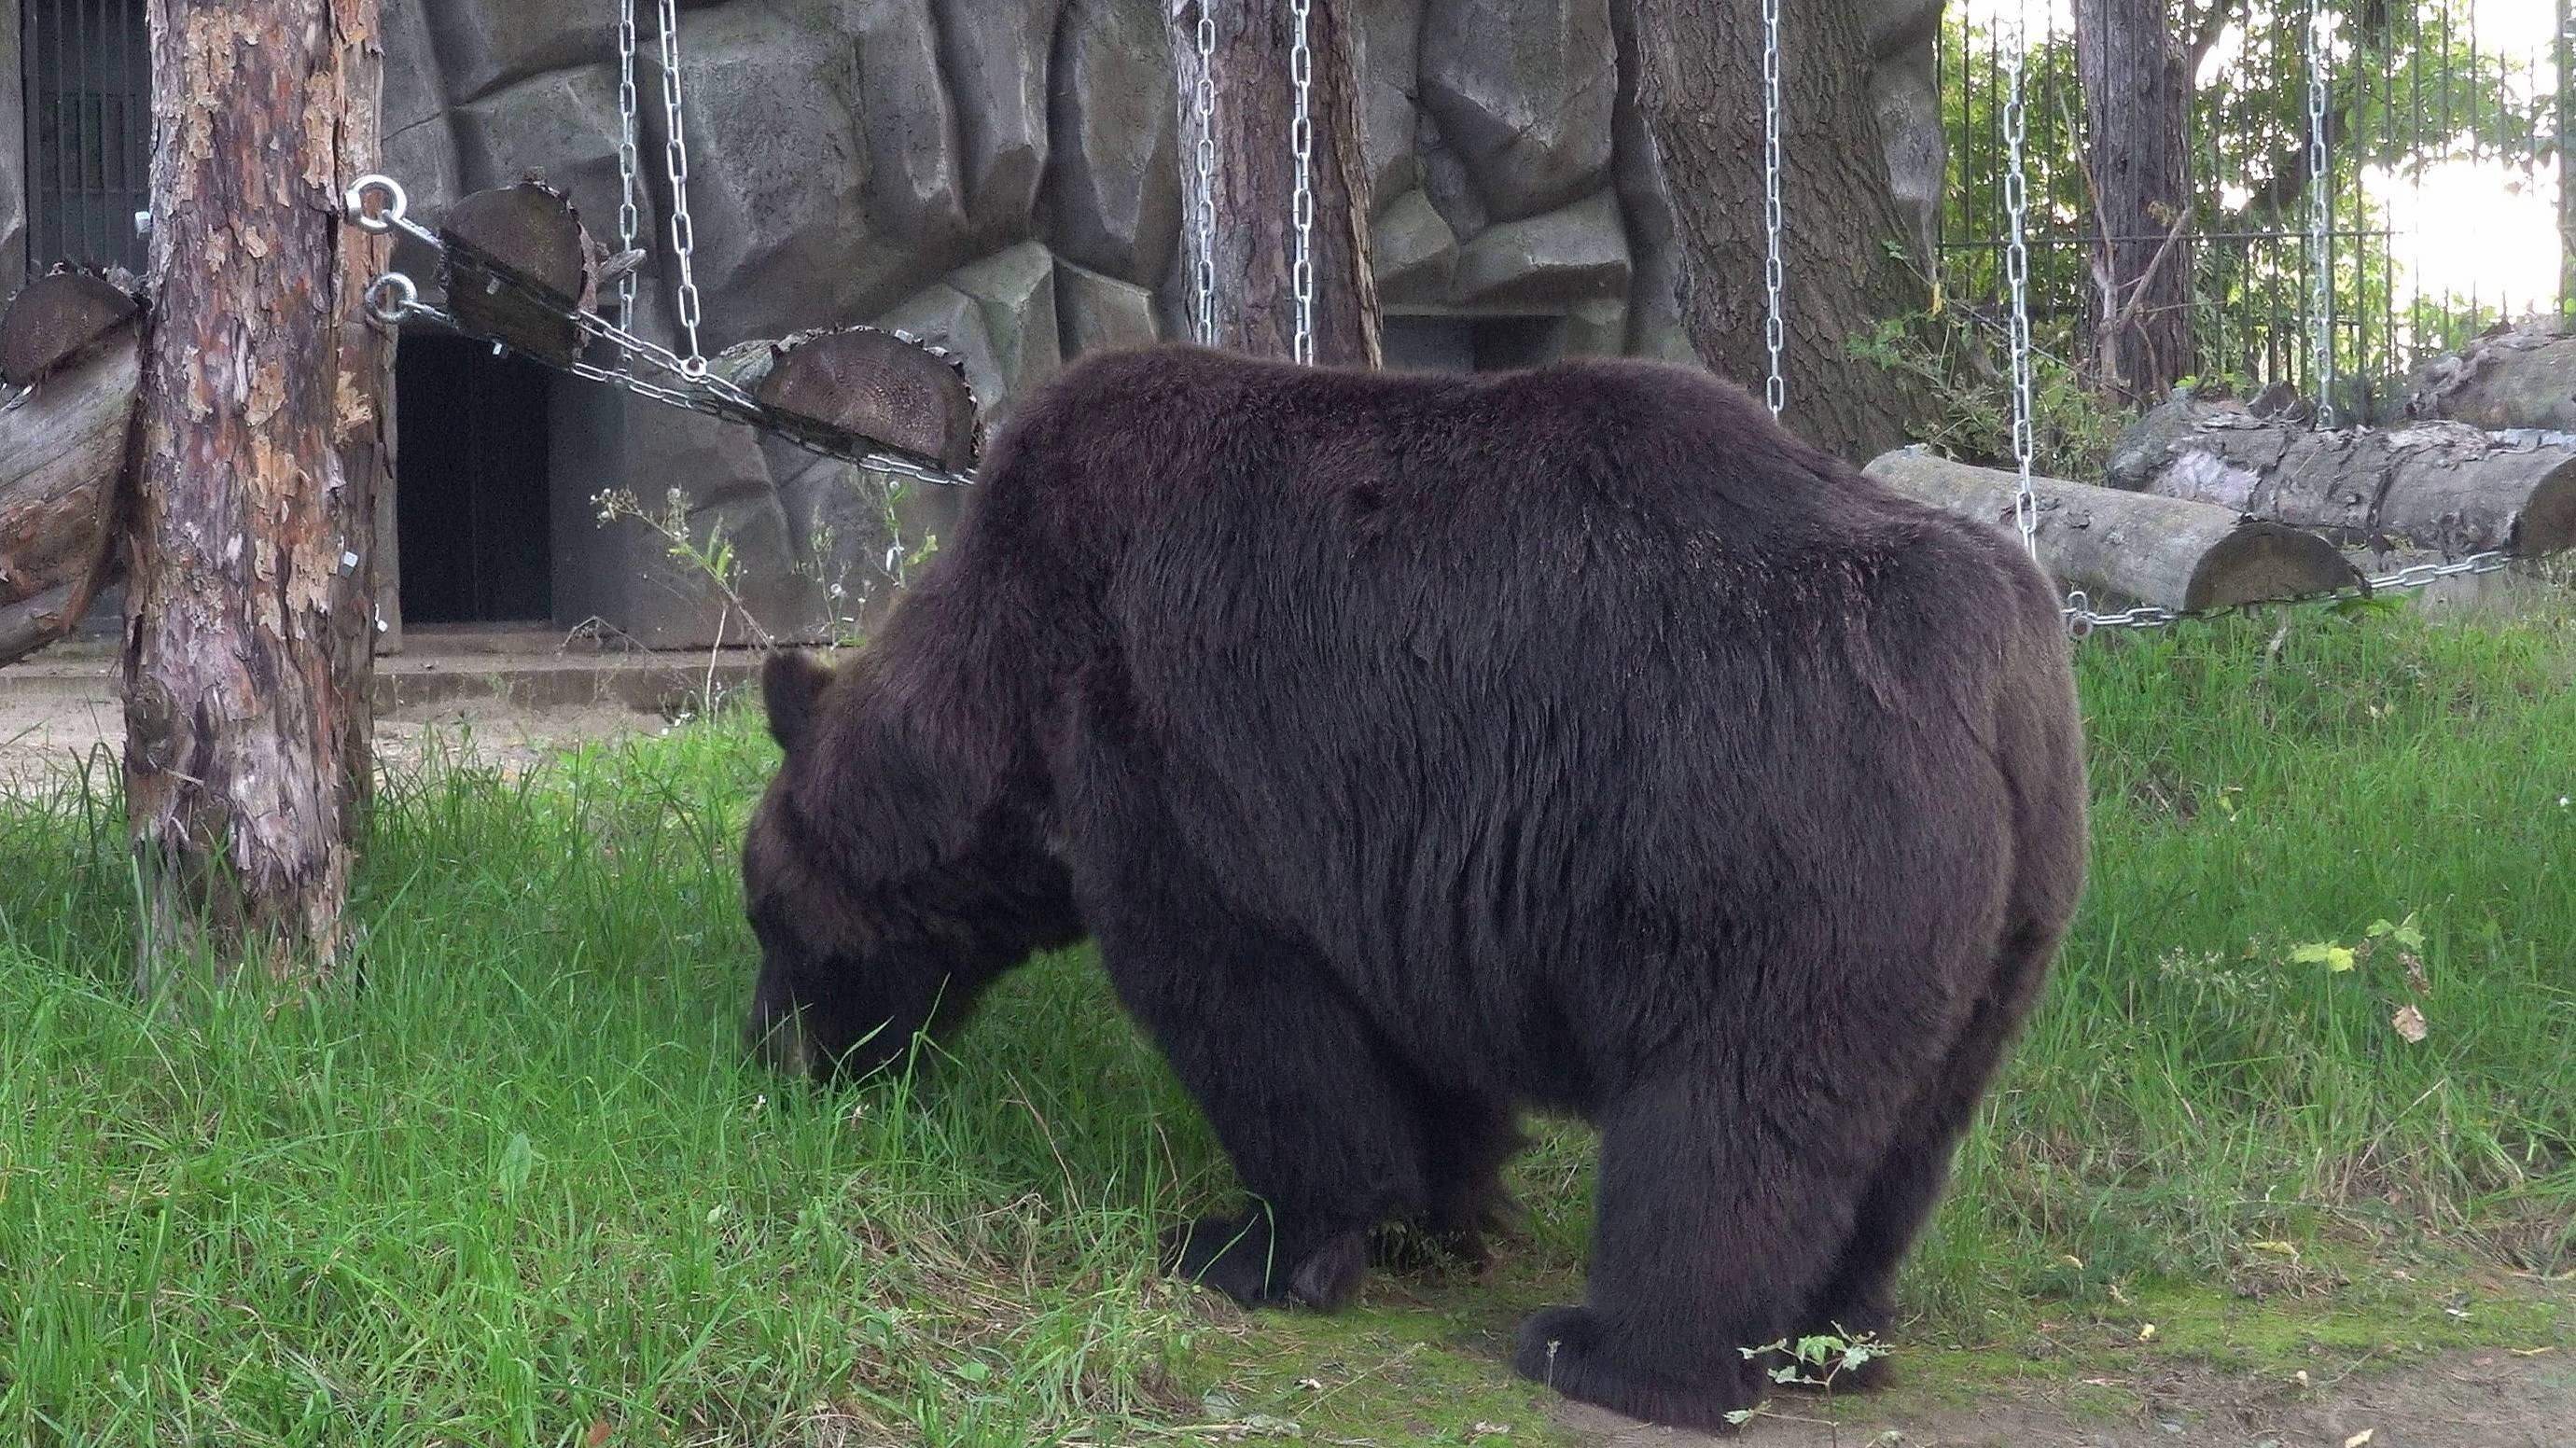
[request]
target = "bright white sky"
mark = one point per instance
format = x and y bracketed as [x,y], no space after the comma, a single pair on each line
[2484,227]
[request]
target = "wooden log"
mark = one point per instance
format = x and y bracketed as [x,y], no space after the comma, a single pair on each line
[55,318]
[2133,546]
[517,259]
[865,383]
[2439,485]
[2516,378]
[64,452]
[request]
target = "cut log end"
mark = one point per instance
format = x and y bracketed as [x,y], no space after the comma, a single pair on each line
[517,259]
[57,318]
[2259,562]
[2548,521]
[875,385]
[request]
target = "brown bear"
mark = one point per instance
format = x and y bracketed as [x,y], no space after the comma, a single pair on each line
[1422,749]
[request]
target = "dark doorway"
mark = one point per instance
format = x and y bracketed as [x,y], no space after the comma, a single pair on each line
[1427,343]
[470,484]
[88,83]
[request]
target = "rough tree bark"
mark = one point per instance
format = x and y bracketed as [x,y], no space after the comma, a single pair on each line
[1699,91]
[1254,182]
[2137,104]
[249,631]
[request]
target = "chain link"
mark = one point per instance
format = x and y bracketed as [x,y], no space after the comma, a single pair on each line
[1775,388]
[675,161]
[1205,104]
[2082,620]
[630,217]
[2320,215]
[394,299]
[2017,274]
[1301,138]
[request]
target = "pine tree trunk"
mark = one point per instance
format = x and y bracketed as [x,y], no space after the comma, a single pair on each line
[2137,103]
[249,630]
[1254,180]
[1699,91]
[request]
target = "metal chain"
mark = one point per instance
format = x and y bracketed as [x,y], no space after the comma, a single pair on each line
[2017,274]
[2082,620]
[630,218]
[1301,138]
[1775,389]
[394,298]
[1205,103]
[675,160]
[2320,210]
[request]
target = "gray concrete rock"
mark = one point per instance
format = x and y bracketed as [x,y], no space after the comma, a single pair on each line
[841,516]
[1390,33]
[1523,90]
[1015,291]
[1445,179]
[1579,253]
[1113,188]
[779,182]
[914,187]
[483,45]
[1096,313]
[996,55]
[1597,328]
[561,126]
[1412,251]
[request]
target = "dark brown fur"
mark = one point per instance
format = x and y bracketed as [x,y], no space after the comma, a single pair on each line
[1423,749]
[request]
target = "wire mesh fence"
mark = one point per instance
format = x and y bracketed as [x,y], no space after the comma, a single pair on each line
[2445,210]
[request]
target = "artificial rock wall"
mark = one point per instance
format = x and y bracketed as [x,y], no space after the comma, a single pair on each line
[998,176]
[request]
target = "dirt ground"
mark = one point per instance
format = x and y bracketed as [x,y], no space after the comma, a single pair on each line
[43,732]
[2485,1399]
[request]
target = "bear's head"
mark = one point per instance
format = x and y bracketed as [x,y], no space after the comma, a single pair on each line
[886,892]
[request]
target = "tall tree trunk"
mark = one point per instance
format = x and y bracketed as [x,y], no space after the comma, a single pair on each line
[2137,109]
[1699,91]
[1254,184]
[248,640]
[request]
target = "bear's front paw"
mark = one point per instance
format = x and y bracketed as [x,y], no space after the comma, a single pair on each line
[1240,1257]
[1571,1350]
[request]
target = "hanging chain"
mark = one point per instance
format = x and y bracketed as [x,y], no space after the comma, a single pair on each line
[2017,274]
[630,218]
[394,299]
[1775,389]
[1205,104]
[675,160]
[1301,138]
[2320,211]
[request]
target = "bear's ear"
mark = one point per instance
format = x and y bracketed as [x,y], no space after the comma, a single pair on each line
[791,687]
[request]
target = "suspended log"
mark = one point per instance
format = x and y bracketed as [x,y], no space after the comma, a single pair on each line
[63,462]
[518,258]
[863,382]
[56,317]
[2139,547]
[2517,378]
[2438,485]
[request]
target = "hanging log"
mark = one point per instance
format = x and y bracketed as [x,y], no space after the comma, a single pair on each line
[517,259]
[56,317]
[2437,485]
[63,456]
[2134,546]
[2515,378]
[863,382]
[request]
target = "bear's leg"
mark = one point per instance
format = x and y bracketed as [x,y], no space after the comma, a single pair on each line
[1299,1088]
[1860,1296]
[1467,1139]
[1718,1216]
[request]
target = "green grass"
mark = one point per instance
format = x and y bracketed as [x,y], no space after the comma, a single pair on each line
[522,1188]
